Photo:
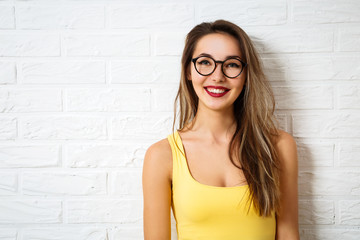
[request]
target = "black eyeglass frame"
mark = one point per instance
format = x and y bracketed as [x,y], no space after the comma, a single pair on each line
[243,65]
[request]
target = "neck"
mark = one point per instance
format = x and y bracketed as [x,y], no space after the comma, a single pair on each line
[215,125]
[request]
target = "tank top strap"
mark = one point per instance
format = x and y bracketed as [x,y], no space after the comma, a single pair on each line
[178,155]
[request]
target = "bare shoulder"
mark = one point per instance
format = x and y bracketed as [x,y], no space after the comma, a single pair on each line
[159,157]
[285,146]
[285,139]
[160,149]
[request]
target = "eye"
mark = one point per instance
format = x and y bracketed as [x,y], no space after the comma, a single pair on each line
[233,65]
[204,62]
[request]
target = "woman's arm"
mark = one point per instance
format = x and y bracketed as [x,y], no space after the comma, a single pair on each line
[156,181]
[287,219]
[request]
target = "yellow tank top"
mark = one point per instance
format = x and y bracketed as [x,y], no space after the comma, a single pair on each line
[204,212]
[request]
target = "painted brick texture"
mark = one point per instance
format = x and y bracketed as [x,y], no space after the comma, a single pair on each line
[87,86]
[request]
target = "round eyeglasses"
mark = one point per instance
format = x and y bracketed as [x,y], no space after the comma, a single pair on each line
[231,67]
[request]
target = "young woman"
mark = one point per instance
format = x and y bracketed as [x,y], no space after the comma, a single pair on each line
[228,173]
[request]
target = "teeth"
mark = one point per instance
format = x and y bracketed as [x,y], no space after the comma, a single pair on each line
[214,90]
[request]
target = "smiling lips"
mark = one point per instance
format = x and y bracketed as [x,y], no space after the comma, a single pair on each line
[216,91]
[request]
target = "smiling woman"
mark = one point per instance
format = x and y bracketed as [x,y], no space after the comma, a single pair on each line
[208,80]
[227,172]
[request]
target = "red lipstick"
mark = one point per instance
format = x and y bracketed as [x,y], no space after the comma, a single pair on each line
[216,91]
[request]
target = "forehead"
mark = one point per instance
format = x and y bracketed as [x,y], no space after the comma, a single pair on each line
[219,45]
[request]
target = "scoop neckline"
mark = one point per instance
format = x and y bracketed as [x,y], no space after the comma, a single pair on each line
[196,181]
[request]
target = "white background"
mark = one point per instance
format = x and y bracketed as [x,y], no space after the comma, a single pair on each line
[87,86]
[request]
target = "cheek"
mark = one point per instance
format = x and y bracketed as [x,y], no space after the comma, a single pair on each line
[241,81]
[195,77]
[193,74]
[241,86]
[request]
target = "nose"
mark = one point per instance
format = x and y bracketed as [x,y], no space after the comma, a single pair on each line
[217,75]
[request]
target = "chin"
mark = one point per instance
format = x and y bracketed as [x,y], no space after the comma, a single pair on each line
[219,107]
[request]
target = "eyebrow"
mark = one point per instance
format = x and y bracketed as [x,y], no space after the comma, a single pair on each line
[209,55]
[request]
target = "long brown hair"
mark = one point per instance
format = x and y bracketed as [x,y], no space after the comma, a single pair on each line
[252,146]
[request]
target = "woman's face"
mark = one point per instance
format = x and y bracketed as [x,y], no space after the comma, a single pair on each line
[216,91]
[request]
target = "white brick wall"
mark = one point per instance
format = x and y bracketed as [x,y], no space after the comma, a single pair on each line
[87,86]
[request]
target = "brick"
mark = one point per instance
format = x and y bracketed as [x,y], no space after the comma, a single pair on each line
[116,45]
[348,37]
[64,127]
[330,234]
[349,212]
[152,71]
[152,15]
[126,182]
[315,154]
[282,122]
[301,97]
[24,45]
[7,72]
[324,67]
[169,44]
[63,72]
[30,211]
[99,155]
[164,98]
[64,233]
[7,17]
[349,96]
[292,40]
[325,11]
[30,100]
[326,125]
[60,17]
[105,211]
[108,100]
[349,154]
[29,156]
[8,234]
[316,212]
[275,69]
[247,13]
[8,128]
[142,127]
[64,183]
[129,233]
[325,183]
[8,184]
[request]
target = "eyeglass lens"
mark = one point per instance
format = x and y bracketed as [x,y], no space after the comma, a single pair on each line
[231,67]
